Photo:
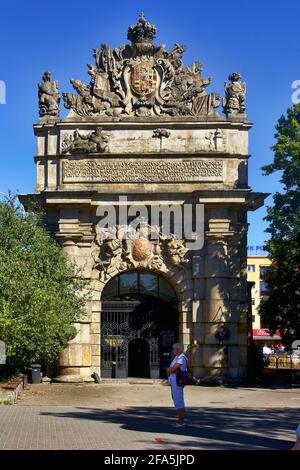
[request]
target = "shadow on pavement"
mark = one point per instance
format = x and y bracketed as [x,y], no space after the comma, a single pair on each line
[208,428]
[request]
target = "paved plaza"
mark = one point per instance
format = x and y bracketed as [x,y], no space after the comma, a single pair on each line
[140,416]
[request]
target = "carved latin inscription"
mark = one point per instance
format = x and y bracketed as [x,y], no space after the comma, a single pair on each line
[142,171]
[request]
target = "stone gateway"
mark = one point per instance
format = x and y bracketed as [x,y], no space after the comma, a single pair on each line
[144,131]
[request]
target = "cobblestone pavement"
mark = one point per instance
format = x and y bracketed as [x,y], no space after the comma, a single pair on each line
[124,416]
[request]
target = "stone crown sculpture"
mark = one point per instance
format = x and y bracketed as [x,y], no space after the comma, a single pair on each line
[142,31]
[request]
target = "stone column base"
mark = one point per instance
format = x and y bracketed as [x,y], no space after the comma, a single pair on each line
[73,375]
[69,379]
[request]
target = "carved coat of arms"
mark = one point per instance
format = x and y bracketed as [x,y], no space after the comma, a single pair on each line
[143,78]
[135,251]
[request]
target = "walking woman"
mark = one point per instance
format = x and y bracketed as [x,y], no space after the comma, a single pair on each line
[179,362]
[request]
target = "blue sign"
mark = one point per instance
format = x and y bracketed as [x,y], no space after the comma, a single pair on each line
[256,250]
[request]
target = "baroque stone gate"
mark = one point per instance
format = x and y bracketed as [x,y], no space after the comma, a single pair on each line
[144,128]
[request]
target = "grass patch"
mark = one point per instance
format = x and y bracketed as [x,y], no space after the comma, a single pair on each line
[6,402]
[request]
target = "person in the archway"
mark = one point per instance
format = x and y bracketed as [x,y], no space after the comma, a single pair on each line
[179,362]
[297,443]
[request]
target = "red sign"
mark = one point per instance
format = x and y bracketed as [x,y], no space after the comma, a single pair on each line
[265,332]
[261,332]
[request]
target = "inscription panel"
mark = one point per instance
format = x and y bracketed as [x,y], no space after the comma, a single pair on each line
[141,171]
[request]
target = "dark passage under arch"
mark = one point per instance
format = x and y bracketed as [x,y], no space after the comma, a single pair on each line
[139,324]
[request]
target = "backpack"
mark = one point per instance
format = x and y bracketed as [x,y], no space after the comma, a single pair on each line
[185,378]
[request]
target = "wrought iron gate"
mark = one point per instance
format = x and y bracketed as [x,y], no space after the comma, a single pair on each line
[118,328]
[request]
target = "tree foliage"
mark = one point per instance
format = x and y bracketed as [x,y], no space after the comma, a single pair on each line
[282,308]
[40,290]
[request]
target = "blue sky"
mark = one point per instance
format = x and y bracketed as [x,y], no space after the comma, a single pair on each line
[258,38]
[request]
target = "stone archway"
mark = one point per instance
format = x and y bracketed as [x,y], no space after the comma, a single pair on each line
[167,258]
[82,357]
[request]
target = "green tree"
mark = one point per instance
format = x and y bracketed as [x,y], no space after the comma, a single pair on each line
[282,308]
[40,290]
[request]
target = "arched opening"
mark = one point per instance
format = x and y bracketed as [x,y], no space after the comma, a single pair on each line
[139,324]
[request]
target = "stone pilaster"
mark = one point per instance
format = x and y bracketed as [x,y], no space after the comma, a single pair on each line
[76,362]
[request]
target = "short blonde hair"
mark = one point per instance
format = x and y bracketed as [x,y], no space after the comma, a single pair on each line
[179,347]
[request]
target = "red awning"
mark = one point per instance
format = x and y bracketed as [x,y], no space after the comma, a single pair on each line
[263,334]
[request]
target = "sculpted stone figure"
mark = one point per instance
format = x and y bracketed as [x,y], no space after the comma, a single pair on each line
[82,101]
[235,92]
[96,142]
[49,98]
[142,79]
[106,253]
[175,251]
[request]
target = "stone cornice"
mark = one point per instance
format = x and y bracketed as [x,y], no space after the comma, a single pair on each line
[244,197]
[157,155]
[137,123]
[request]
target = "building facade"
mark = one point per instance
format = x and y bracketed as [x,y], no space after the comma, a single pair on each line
[141,141]
[257,266]
[256,269]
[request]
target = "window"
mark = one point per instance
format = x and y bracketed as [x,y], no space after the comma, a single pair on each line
[251,268]
[138,283]
[253,318]
[263,271]
[263,288]
[165,290]
[148,283]
[252,301]
[128,283]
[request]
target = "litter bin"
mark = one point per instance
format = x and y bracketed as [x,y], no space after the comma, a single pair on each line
[36,373]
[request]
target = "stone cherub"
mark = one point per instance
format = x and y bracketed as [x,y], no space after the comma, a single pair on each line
[235,91]
[49,98]
[96,142]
